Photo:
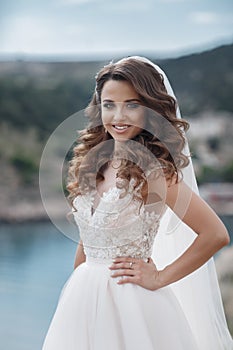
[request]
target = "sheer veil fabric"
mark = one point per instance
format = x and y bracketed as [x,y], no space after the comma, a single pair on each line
[198,293]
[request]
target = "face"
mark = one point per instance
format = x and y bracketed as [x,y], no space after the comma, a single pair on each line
[122,112]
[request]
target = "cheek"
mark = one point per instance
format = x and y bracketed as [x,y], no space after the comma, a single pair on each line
[139,120]
[106,117]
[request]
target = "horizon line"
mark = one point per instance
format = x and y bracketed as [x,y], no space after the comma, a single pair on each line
[97,56]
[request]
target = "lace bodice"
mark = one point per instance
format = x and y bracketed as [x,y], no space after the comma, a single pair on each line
[117,227]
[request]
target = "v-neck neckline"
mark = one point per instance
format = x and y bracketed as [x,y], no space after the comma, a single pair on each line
[95,194]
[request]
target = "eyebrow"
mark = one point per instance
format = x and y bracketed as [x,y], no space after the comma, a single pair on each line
[130,100]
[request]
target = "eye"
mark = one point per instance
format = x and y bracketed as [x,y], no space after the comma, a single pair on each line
[132,105]
[108,105]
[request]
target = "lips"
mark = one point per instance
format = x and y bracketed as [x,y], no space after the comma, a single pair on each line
[121,127]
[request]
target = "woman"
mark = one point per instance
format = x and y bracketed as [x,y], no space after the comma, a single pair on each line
[127,182]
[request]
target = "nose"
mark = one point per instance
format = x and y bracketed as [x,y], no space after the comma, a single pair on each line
[119,113]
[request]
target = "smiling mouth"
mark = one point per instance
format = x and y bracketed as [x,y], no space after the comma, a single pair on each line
[121,127]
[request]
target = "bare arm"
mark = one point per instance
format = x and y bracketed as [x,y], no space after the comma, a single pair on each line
[211,237]
[211,232]
[80,257]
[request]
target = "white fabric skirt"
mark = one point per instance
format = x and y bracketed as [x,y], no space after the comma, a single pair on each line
[95,313]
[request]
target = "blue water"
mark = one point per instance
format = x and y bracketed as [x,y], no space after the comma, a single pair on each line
[35,262]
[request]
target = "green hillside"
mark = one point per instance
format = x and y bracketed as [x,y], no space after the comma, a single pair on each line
[42,94]
[203,81]
[35,97]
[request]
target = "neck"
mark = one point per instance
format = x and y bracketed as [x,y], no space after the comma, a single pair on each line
[117,146]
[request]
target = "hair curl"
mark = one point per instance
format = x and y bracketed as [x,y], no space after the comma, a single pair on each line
[163,134]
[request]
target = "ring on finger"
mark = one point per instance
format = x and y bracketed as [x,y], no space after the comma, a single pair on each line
[131,265]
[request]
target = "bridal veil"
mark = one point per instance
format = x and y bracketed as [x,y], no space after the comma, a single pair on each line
[198,293]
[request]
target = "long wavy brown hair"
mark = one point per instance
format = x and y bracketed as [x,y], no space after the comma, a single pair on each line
[163,134]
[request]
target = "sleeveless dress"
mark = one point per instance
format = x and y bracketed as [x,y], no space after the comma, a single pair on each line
[96,313]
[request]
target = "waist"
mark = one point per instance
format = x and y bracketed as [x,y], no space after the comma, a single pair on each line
[104,255]
[101,261]
[104,261]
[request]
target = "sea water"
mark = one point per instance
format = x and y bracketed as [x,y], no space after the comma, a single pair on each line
[35,262]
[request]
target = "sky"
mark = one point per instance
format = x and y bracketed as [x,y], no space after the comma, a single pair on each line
[107,27]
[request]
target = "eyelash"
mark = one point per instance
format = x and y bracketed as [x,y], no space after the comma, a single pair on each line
[132,105]
[109,105]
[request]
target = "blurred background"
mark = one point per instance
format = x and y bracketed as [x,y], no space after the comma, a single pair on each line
[50,52]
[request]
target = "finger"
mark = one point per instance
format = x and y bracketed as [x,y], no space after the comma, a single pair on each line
[122,273]
[150,262]
[128,279]
[121,259]
[122,265]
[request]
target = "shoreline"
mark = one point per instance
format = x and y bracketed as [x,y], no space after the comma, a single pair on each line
[31,211]
[34,211]
[20,208]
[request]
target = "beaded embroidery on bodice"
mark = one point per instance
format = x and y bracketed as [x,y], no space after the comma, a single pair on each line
[118,226]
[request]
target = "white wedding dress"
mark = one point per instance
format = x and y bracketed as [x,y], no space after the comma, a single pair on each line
[94,312]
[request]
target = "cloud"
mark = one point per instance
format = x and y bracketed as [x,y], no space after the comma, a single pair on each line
[205,17]
[34,35]
[170,1]
[129,6]
[75,2]
[114,6]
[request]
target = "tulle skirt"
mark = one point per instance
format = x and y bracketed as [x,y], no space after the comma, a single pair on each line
[95,313]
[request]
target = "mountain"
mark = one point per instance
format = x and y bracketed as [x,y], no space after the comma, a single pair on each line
[35,97]
[42,94]
[203,81]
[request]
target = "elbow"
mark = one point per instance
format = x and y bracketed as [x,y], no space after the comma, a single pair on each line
[223,238]
[227,239]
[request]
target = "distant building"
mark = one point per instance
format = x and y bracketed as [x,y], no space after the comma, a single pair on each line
[219,196]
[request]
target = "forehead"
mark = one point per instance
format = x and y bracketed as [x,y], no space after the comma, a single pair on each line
[118,90]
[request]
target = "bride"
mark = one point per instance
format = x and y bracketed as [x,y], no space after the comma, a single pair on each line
[144,276]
